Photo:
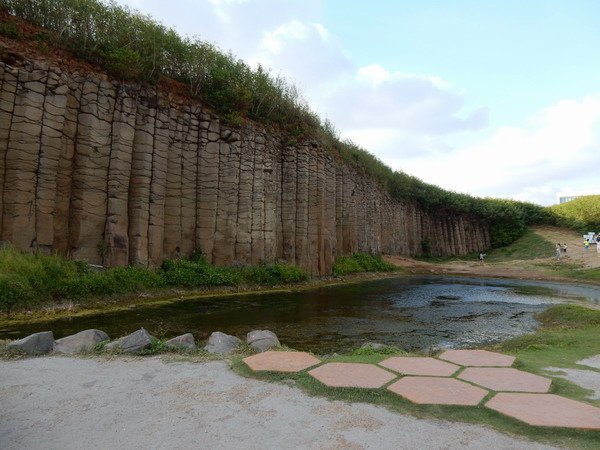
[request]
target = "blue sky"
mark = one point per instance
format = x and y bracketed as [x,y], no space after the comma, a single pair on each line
[490,98]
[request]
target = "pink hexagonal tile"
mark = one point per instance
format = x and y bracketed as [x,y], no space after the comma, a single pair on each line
[547,410]
[438,391]
[480,358]
[420,366]
[281,361]
[352,375]
[506,379]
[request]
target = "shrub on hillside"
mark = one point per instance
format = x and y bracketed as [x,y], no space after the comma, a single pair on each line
[361,262]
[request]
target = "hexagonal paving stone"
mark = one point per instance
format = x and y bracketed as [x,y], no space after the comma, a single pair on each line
[420,366]
[480,358]
[506,379]
[438,391]
[281,361]
[352,375]
[547,410]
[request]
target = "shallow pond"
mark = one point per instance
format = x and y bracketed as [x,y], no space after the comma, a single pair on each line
[414,313]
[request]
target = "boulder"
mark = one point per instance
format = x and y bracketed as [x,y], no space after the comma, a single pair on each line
[81,342]
[262,340]
[183,342]
[34,344]
[135,342]
[221,343]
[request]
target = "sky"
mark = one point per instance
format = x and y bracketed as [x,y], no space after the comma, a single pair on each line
[493,99]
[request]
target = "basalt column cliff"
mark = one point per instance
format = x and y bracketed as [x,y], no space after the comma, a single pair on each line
[119,174]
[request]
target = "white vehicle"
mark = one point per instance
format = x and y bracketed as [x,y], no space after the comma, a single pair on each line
[591,237]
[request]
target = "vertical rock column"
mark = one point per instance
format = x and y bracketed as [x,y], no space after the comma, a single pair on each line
[7,106]
[258,202]
[22,159]
[90,174]
[53,122]
[64,177]
[140,182]
[119,172]
[227,202]
[172,212]
[162,140]
[208,185]
[189,175]
[302,199]
[288,203]
[243,242]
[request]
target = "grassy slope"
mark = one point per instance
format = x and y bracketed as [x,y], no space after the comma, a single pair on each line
[582,213]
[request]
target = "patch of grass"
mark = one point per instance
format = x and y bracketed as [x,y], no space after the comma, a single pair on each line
[36,280]
[361,262]
[368,351]
[529,246]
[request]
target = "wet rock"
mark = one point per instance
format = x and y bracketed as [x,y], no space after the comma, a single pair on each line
[262,340]
[83,341]
[34,344]
[135,342]
[183,342]
[221,343]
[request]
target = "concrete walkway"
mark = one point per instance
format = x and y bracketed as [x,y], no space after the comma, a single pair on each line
[71,403]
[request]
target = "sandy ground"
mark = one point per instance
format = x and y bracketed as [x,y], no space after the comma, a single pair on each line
[523,269]
[70,403]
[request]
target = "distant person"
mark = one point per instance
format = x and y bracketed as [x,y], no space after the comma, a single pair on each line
[586,245]
[558,252]
[481,257]
[564,248]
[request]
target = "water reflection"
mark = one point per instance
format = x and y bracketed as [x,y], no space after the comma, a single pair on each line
[410,312]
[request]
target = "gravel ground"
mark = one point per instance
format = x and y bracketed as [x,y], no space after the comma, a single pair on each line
[71,403]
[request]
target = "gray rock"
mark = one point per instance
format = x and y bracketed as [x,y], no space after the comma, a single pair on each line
[135,342]
[83,341]
[262,340]
[34,344]
[183,342]
[221,343]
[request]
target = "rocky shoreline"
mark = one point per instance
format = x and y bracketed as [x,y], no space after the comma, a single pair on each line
[138,342]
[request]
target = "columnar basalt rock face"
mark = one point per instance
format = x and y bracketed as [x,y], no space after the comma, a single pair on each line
[117,174]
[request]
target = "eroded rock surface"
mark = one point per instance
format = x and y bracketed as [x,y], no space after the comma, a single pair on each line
[83,341]
[221,343]
[34,344]
[116,174]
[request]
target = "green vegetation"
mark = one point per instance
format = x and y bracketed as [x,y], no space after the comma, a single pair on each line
[135,47]
[582,213]
[529,246]
[361,262]
[28,280]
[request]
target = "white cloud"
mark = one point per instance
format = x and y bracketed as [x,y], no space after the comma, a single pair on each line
[531,162]
[414,122]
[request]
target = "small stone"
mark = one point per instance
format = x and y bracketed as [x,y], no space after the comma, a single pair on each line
[183,342]
[83,341]
[262,340]
[221,343]
[34,344]
[133,343]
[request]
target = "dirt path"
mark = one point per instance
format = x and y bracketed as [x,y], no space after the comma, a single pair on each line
[70,403]
[526,269]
